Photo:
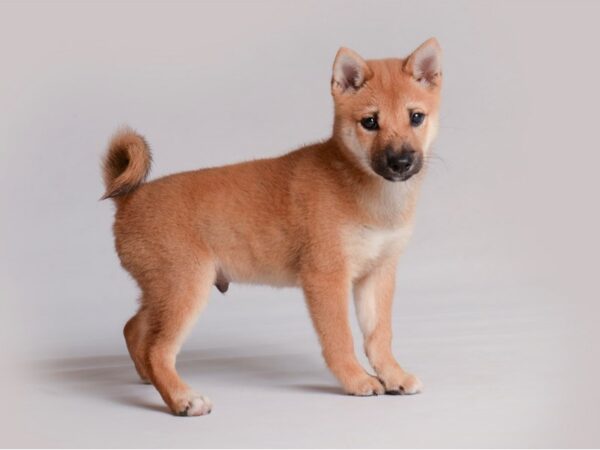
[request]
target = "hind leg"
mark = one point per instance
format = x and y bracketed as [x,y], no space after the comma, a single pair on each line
[135,337]
[172,309]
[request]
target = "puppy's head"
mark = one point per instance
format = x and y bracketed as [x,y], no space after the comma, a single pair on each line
[386,111]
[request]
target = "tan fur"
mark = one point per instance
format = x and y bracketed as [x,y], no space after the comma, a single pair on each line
[126,164]
[318,217]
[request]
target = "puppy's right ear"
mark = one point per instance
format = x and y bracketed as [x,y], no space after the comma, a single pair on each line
[350,71]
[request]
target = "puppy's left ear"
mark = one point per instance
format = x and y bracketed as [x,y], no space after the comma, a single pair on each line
[425,63]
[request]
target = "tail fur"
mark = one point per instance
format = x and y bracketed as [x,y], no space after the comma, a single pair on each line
[126,163]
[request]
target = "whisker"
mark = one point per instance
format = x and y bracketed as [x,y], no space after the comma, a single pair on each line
[432,157]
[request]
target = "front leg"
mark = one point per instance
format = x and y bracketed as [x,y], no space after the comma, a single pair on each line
[327,298]
[373,295]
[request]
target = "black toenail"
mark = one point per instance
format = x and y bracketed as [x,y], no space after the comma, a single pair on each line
[183,413]
[394,392]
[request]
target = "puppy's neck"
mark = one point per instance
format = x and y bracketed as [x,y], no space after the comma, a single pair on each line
[382,202]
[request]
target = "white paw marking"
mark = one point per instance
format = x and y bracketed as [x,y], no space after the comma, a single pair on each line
[197,405]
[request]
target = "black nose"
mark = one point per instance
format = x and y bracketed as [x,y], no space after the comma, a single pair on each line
[400,162]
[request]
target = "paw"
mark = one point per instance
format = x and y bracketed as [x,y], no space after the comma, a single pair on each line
[404,384]
[364,385]
[192,405]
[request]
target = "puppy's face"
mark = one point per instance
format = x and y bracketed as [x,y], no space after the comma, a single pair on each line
[386,111]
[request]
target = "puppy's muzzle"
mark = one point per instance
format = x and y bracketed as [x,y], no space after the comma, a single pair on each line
[397,165]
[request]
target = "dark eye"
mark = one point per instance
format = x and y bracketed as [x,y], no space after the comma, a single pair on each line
[416,118]
[369,123]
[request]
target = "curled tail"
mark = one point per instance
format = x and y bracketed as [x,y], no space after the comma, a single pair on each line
[126,163]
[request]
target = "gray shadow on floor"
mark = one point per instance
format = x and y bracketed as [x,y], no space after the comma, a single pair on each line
[113,377]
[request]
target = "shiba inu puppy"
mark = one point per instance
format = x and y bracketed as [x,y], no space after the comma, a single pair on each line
[331,218]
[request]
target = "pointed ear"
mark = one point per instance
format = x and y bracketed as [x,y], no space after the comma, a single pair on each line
[425,63]
[350,71]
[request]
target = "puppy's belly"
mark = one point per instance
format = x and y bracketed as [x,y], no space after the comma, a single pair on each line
[244,268]
[276,278]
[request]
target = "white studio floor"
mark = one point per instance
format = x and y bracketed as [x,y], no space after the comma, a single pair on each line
[495,368]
